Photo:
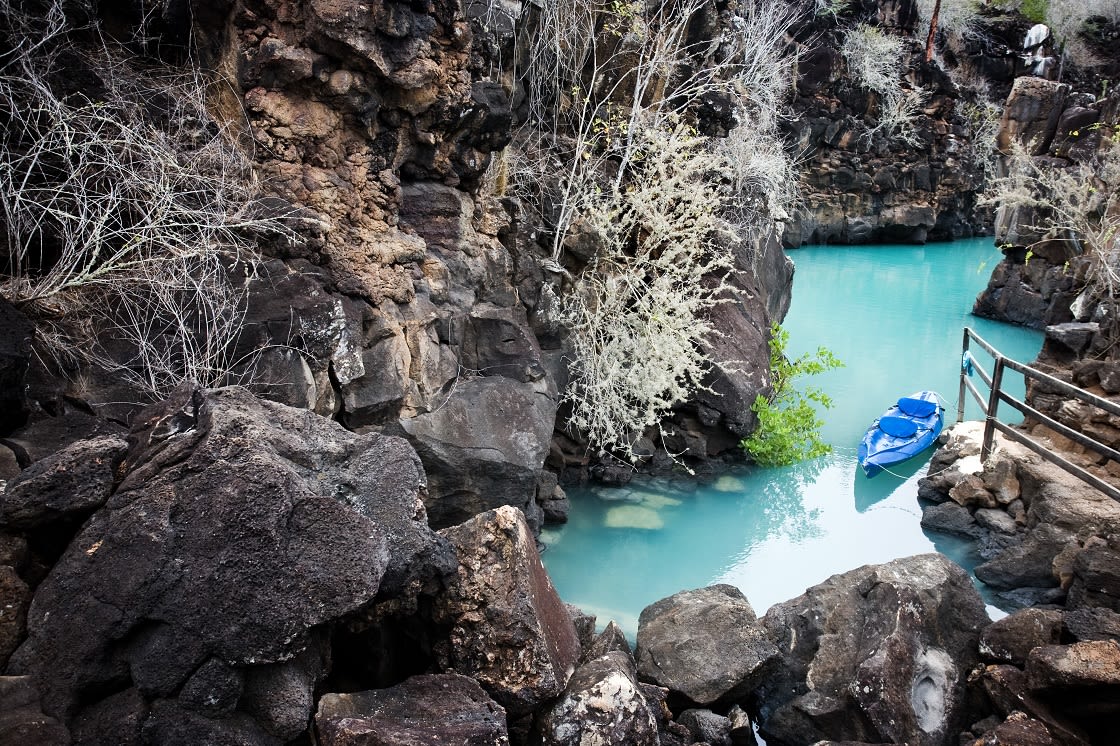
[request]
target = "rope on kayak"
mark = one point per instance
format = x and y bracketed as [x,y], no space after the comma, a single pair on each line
[924,476]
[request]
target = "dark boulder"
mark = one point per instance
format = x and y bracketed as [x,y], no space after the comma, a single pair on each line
[507,627]
[1011,639]
[433,710]
[21,719]
[876,654]
[703,645]
[1096,577]
[951,518]
[707,727]
[1091,623]
[68,484]
[241,527]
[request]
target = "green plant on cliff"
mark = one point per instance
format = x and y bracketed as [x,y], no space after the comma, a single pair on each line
[788,421]
[659,148]
[124,209]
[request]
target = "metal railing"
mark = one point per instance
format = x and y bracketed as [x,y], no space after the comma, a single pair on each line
[990,407]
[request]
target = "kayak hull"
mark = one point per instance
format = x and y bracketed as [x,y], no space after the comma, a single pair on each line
[903,431]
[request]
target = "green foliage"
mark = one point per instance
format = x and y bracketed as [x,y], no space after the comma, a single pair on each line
[1035,10]
[788,423]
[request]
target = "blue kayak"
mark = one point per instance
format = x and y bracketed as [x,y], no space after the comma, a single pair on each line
[904,430]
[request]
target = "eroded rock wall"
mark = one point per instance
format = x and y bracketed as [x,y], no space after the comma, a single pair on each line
[862,187]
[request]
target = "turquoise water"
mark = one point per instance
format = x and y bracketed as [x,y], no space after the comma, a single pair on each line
[894,315]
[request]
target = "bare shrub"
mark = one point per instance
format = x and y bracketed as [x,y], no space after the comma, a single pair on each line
[637,314]
[1079,205]
[125,211]
[877,61]
[618,145]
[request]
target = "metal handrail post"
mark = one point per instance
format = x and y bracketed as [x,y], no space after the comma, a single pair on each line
[961,391]
[993,405]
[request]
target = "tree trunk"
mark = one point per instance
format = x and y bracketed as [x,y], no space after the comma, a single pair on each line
[932,30]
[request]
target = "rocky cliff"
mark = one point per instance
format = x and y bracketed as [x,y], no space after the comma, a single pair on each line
[403,293]
[865,184]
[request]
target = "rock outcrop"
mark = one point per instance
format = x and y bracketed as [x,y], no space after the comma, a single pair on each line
[194,601]
[1044,269]
[879,654]
[864,186]
[1041,680]
[703,645]
[436,710]
[508,628]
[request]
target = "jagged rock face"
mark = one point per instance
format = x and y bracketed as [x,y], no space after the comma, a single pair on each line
[436,710]
[1042,274]
[602,704]
[192,604]
[484,448]
[347,98]
[861,189]
[878,654]
[507,627]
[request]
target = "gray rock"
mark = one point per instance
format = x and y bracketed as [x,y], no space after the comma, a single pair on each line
[995,519]
[434,710]
[1029,563]
[485,447]
[877,654]
[1096,577]
[610,640]
[707,726]
[1092,623]
[602,703]
[1073,336]
[508,628]
[703,645]
[68,484]
[1011,639]
[951,518]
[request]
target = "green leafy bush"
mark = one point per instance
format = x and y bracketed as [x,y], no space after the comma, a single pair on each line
[788,423]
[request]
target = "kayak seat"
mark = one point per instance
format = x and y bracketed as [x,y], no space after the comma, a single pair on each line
[917,407]
[899,427]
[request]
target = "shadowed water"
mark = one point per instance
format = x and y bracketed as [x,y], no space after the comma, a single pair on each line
[894,315]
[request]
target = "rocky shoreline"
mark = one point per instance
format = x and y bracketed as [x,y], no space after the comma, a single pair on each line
[233,569]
